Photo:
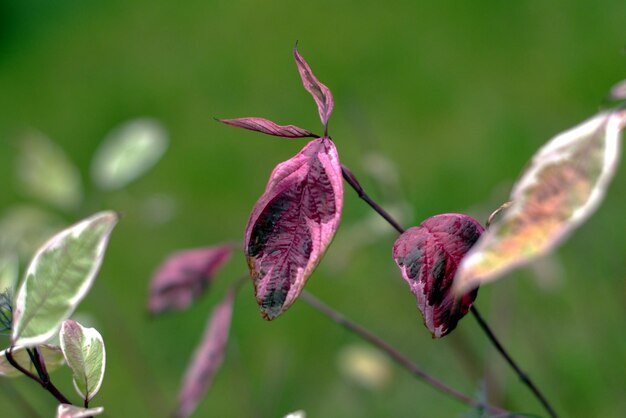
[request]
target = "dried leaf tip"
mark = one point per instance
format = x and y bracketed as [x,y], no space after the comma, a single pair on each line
[321,94]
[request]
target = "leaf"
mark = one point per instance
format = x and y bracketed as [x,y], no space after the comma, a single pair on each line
[71,411]
[128,152]
[618,91]
[46,173]
[563,185]
[296,414]
[184,276]
[428,257]
[84,352]
[9,266]
[322,95]
[52,355]
[292,225]
[207,358]
[268,127]
[59,277]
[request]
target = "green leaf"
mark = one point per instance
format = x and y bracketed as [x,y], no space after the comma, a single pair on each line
[45,172]
[128,152]
[59,277]
[71,411]
[52,356]
[84,352]
[9,266]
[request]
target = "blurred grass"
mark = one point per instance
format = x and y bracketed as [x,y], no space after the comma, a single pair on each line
[457,95]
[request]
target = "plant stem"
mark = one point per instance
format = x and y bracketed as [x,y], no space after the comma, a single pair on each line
[521,374]
[45,383]
[393,353]
[352,181]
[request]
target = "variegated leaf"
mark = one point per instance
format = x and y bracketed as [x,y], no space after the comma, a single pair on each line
[184,276]
[59,277]
[84,352]
[207,358]
[268,127]
[563,185]
[322,95]
[428,257]
[71,411]
[52,356]
[293,223]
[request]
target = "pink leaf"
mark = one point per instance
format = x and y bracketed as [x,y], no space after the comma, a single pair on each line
[292,224]
[207,358]
[268,127]
[184,276]
[322,95]
[428,257]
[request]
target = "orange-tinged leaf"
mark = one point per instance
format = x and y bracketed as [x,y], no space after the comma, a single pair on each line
[562,186]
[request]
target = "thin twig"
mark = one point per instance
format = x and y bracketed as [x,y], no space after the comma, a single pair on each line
[520,373]
[46,384]
[352,181]
[393,353]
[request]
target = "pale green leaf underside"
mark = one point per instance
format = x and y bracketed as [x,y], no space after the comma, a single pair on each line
[128,152]
[53,357]
[85,354]
[58,278]
[71,411]
[45,172]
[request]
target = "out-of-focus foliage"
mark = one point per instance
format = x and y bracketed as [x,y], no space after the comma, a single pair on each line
[458,97]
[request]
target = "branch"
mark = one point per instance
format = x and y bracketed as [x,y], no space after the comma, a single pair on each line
[354,183]
[522,375]
[398,357]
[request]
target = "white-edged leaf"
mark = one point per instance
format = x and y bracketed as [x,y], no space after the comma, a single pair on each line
[84,352]
[296,414]
[207,358]
[52,356]
[45,172]
[9,267]
[563,185]
[128,152]
[71,411]
[58,278]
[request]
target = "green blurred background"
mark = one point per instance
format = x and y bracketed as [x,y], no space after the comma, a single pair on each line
[438,107]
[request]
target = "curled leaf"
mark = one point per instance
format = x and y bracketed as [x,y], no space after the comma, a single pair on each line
[52,356]
[292,224]
[207,358]
[322,95]
[563,185]
[59,277]
[45,172]
[428,257]
[184,276]
[268,127]
[128,152]
[84,352]
[71,411]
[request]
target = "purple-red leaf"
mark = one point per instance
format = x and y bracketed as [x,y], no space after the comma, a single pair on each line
[268,127]
[428,257]
[322,95]
[292,224]
[207,358]
[184,276]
